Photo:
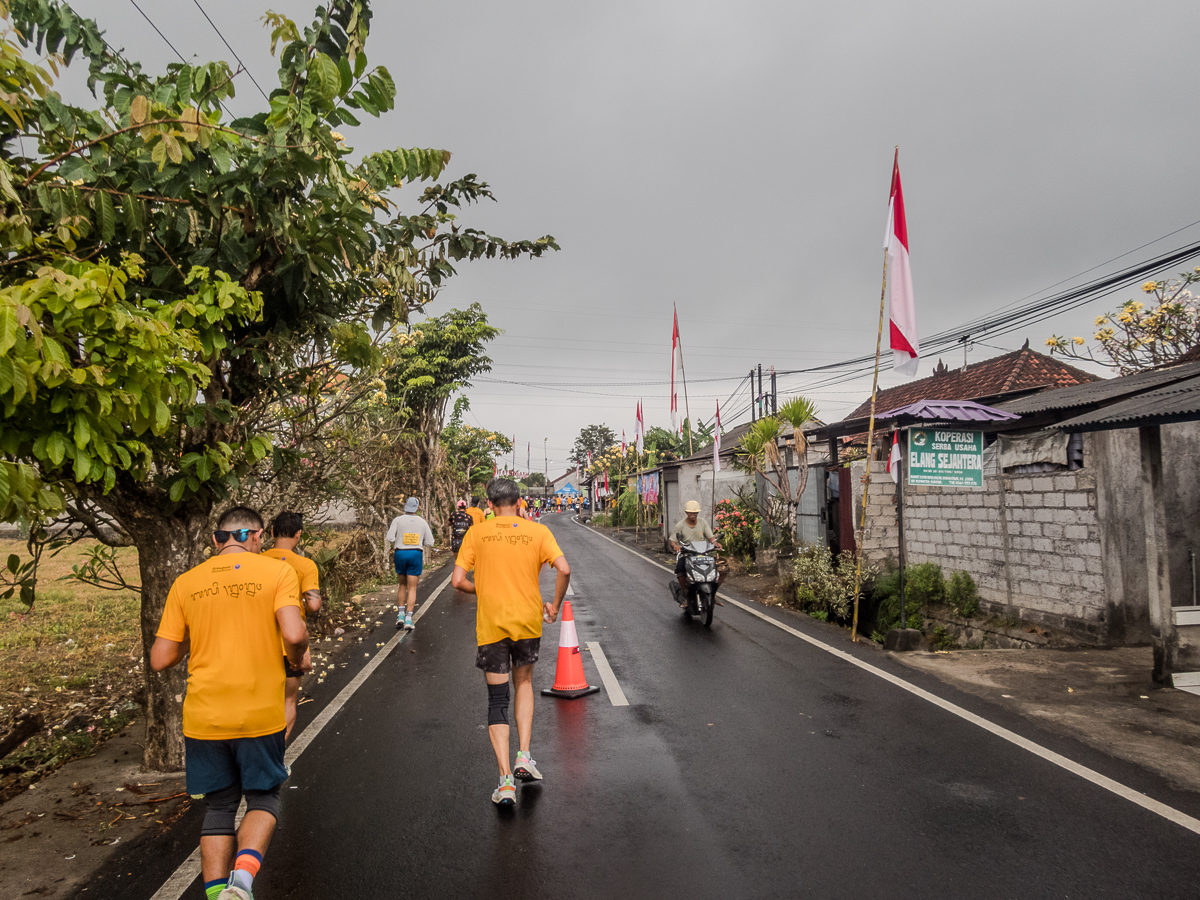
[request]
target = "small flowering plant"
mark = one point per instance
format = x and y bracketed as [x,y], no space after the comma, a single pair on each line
[738,528]
[1141,335]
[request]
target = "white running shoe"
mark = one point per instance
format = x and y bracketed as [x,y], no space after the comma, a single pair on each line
[526,769]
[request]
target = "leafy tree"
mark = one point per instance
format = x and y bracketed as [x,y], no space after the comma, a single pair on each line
[535,479]
[471,451]
[592,439]
[1135,338]
[270,267]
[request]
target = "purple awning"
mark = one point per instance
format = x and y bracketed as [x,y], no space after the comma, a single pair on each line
[949,411]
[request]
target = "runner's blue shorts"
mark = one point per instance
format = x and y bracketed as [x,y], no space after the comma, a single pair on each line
[255,763]
[409,562]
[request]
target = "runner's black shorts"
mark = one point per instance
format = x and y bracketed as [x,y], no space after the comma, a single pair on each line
[289,671]
[502,657]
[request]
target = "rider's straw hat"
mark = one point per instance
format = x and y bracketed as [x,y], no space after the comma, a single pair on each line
[691,506]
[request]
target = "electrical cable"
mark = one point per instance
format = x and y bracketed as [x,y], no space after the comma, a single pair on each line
[245,68]
[156,28]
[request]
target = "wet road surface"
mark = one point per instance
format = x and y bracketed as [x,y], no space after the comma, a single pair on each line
[748,764]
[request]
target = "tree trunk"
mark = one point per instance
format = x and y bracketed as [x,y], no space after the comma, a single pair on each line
[168,545]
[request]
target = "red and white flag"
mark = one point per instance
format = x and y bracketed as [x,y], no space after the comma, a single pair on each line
[639,430]
[717,442]
[902,310]
[675,426]
[893,466]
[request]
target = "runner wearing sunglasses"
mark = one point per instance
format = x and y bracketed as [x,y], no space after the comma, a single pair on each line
[229,614]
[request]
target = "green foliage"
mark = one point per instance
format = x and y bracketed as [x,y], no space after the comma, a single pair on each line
[600,520]
[627,508]
[824,585]
[963,595]
[925,584]
[594,439]
[739,526]
[535,479]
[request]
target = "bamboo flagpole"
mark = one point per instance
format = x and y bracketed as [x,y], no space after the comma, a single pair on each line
[687,413]
[862,522]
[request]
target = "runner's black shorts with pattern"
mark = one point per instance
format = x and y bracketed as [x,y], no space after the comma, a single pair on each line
[501,657]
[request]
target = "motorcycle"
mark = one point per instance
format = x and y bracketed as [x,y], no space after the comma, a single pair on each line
[700,568]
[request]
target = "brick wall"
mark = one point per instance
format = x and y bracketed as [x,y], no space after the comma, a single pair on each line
[1031,542]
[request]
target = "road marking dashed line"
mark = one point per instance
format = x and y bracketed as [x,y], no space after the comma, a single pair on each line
[611,686]
[1137,797]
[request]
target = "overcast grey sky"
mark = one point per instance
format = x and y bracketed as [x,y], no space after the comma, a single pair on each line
[734,159]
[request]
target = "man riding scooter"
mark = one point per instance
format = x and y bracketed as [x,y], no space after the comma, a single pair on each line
[691,528]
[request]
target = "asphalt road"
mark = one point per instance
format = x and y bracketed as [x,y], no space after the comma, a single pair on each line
[748,764]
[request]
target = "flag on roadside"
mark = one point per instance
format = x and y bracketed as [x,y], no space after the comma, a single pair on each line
[902,312]
[528,468]
[624,443]
[717,441]
[639,430]
[674,368]
[893,465]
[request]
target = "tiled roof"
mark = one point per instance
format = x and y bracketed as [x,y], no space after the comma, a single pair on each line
[1023,370]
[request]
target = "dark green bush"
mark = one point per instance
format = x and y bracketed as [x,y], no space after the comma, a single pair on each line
[887,594]
[963,595]
[924,584]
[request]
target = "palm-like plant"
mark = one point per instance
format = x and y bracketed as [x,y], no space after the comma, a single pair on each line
[759,453]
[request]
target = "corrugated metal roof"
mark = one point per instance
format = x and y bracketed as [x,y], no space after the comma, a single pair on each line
[1105,391]
[1176,402]
[949,411]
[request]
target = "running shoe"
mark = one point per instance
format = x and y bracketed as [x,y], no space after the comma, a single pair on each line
[526,769]
[235,893]
[408,622]
[400,620]
[506,793]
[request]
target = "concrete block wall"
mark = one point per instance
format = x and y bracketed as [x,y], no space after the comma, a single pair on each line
[1031,542]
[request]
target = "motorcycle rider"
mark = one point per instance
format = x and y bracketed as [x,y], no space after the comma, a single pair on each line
[691,528]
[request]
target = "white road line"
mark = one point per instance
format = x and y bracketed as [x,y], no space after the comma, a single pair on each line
[182,878]
[613,687]
[1103,781]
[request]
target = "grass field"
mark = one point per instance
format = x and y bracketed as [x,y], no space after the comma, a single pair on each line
[74,657]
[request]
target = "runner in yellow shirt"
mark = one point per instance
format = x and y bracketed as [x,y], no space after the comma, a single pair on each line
[227,616]
[475,511]
[286,530]
[507,553]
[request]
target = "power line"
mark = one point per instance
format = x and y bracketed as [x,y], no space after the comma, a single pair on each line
[245,68]
[160,34]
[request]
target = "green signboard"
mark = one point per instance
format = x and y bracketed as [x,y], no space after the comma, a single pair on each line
[945,457]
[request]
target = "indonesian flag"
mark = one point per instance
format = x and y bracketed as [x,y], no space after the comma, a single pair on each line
[893,466]
[675,426]
[906,351]
[717,442]
[624,443]
[589,460]
[639,430]
[606,482]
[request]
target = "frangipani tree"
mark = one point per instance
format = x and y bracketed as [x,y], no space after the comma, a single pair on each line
[1142,335]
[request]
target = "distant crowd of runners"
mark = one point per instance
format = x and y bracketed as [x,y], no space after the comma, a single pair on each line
[240,618]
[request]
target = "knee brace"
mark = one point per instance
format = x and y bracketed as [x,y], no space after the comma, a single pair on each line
[220,810]
[498,704]
[264,801]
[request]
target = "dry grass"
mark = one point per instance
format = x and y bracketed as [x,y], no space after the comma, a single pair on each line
[75,657]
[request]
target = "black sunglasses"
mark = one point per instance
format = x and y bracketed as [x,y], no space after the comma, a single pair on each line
[240,535]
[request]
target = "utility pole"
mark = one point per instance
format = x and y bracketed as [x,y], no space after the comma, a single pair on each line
[761,410]
[774,394]
[546,467]
[752,398]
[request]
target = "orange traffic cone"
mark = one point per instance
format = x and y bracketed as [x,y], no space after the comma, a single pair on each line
[569,680]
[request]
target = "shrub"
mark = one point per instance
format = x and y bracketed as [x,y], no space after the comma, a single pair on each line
[963,595]
[886,593]
[600,519]
[739,527]
[925,584]
[824,585]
